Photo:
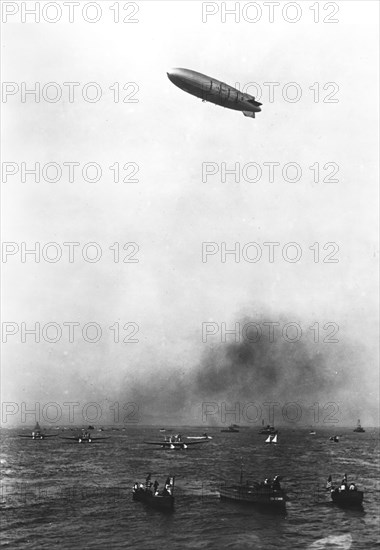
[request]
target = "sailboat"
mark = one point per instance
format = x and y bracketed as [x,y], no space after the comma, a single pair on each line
[271,439]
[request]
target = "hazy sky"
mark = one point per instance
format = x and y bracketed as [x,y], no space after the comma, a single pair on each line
[170,211]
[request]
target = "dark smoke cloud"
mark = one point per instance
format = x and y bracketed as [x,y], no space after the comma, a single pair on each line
[304,371]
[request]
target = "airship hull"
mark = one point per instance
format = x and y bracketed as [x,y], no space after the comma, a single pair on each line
[214,91]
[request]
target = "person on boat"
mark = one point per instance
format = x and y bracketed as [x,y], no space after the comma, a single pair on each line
[168,486]
[344,484]
[276,484]
[135,486]
[353,487]
[156,484]
[147,481]
[329,484]
[266,484]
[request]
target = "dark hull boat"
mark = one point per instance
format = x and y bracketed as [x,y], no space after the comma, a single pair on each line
[254,494]
[359,428]
[347,494]
[347,497]
[150,495]
[160,502]
[268,430]
[231,429]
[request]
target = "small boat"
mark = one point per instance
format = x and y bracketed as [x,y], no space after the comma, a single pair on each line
[231,429]
[150,495]
[312,432]
[271,439]
[359,428]
[346,495]
[334,438]
[267,493]
[162,430]
[267,430]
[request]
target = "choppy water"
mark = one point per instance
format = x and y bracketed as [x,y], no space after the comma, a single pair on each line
[59,494]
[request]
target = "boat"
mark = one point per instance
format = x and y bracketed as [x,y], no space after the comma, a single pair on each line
[162,430]
[267,493]
[334,438]
[359,428]
[149,494]
[267,430]
[312,432]
[201,437]
[231,429]
[346,495]
[271,439]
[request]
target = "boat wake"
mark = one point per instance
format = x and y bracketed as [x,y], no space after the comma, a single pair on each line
[341,542]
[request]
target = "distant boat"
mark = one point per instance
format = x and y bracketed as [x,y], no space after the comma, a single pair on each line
[334,438]
[149,495]
[271,439]
[312,432]
[162,430]
[231,429]
[267,430]
[359,428]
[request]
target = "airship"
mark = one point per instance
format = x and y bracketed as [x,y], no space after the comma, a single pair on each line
[214,91]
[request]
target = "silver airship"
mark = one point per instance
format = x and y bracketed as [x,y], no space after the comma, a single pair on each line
[214,91]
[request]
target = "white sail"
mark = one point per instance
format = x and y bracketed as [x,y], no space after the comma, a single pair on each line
[268,439]
[274,440]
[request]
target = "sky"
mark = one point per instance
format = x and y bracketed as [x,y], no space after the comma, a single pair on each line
[171,142]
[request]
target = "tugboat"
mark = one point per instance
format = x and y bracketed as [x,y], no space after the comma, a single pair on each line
[346,495]
[359,428]
[267,493]
[267,430]
[150,495]
[233,428]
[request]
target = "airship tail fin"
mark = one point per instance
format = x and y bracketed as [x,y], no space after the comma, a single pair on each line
[254,102]
[249,113]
